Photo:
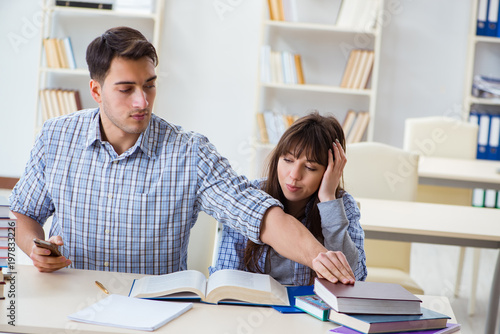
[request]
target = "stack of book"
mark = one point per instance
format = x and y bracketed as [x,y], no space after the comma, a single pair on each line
[58,102]
[272,125]
[281,67]
[2,285]
[7,234]
[59,53]
[372,307]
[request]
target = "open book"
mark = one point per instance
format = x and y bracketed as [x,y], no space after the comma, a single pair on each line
[223,286]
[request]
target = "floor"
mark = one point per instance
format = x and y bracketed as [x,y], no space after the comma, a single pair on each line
[434,269]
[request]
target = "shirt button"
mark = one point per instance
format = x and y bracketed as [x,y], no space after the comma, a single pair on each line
[106,264]
[106,231]
[110,196]
[115,162]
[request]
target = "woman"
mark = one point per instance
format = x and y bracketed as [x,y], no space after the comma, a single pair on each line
[304,173]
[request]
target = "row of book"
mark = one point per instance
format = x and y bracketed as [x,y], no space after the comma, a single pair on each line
[487,18]
[488,138]
[372,307]
[59,53]
[353,14]
[358,69]
[272,125]
[281,67]
[355,125]
[58,102]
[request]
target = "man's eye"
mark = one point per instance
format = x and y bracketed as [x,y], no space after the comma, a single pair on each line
[125,90]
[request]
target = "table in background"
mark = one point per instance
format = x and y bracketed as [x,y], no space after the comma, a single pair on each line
[462,173]
[437,224]
[45,300]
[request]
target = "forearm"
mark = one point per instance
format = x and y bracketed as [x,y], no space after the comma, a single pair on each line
[27,229]
[289,237]
[335,225]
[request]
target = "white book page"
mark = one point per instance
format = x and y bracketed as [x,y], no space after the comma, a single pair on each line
[238,278]
[181,279]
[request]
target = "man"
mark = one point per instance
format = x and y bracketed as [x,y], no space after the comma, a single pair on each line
[125,186]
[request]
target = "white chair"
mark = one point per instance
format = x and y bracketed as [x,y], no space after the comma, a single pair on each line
[202,243]
[445,137]
[375,170]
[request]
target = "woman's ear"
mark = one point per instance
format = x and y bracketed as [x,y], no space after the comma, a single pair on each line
[95,90]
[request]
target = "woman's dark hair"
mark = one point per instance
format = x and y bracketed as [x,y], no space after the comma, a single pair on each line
[117,42]
[312,135]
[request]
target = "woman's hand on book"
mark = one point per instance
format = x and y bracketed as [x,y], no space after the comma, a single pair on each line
[333,266]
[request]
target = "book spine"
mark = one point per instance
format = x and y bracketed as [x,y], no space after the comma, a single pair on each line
[82,4]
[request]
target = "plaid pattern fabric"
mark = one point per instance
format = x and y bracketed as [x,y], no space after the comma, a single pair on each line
[232,247]
[131,212]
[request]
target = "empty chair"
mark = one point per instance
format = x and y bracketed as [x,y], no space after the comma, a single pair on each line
[376,170]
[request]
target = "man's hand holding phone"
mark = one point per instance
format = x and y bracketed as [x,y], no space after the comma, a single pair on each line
[46,256]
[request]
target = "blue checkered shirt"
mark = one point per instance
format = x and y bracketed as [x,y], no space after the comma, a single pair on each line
[232,246]
[131,212]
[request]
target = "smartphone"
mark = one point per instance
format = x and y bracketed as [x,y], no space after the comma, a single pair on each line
[54,249]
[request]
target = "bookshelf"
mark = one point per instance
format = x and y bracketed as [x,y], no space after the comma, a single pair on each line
[82,25]
[483,56]
[324,36]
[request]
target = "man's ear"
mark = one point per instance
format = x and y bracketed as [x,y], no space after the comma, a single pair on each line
[95,90]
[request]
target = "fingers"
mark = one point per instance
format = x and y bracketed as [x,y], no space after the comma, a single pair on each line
[56,239]
[44,262]
[334,267]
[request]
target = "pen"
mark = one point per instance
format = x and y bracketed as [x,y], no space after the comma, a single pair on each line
[100,286]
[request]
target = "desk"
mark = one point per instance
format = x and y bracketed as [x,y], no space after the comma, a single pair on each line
[438,224]
[45,300]
[462,173]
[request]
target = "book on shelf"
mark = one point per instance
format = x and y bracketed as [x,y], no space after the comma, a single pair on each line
[358,128]
[450,328]
[223,286]
[358,14]
[272,125]
[58,102]
[276,11]
[59,53]
[314,306]
[132,313]
[348,122]
[358,69]
[86,4]
[482,13]
[281,67]
[385,323]
[367,297]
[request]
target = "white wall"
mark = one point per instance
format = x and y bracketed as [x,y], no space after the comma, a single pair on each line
[208,68]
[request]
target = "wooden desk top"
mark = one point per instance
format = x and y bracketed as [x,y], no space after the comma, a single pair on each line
[466,173]
[43,302]
[462,225]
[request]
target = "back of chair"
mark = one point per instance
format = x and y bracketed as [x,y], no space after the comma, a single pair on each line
[376,170]
[440,136]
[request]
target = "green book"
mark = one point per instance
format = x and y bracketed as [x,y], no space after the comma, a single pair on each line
[313,305]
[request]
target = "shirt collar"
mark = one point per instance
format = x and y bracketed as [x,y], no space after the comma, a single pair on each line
[142,142]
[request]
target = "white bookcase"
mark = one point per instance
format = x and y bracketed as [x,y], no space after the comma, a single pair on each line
[82,25]
[324,47]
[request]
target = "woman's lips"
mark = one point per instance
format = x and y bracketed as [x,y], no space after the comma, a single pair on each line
[292,188]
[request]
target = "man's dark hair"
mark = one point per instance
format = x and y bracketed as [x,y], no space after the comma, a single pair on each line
[117,42]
